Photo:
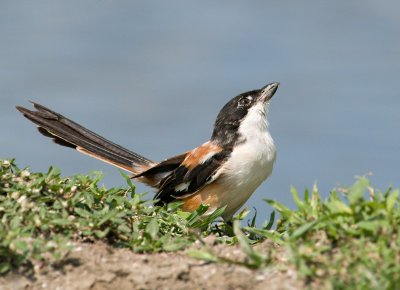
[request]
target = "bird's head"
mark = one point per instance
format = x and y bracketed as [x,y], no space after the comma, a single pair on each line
[245,114]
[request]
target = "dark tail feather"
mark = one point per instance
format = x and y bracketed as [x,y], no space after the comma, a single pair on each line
[68,133]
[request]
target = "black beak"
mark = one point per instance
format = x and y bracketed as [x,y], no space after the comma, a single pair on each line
[268,91]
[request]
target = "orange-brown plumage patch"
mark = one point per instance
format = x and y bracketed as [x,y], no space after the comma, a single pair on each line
[201,154]
[210,195]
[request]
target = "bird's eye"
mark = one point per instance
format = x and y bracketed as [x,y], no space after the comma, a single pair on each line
[244,102]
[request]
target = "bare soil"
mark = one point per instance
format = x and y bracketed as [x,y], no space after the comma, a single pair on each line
[99,266]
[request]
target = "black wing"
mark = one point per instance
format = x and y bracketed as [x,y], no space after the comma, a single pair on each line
[157,173]
[183,181]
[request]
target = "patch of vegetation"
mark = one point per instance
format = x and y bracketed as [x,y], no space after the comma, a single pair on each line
[41,214]
[348,240]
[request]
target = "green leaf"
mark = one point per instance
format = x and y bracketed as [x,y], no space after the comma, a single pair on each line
[194,216]
[202,255]
[135,200]
[87,232]
[4,267]
[303,229]
[242,214]
[371,226]
[271,221]
[285,211]
[15,222]
[107,217]
[101,234]
[212,217]
[297,200]
[172,206]
[124,228]
[82,212]
[253,220]
[338,206]
[21,246]
[183,214]
[152,228]
[357,191]
[60,221]
[128,181]
[391,200]
[172,245]
[245,245]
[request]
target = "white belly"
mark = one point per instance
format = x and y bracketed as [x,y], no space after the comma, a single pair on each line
[248,166]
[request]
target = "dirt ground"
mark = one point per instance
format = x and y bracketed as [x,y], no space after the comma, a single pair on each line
[99,266]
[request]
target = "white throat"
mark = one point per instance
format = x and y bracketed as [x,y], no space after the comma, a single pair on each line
[255,123]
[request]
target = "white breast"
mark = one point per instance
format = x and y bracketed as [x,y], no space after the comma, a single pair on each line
[250,163]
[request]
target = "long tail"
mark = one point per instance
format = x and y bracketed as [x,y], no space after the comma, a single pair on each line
[68,133]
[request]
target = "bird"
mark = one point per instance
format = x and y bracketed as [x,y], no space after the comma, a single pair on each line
[222,172]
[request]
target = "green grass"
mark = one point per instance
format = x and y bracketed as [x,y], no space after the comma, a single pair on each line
[348,240]
[41,214]
[351,238]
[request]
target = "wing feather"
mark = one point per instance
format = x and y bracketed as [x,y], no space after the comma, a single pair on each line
[184,181]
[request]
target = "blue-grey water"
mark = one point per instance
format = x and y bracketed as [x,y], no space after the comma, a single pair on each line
[152,76]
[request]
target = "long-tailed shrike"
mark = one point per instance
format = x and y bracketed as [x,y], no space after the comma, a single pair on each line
[223,171]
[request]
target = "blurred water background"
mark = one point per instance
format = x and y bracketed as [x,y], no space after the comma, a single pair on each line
[152,76]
